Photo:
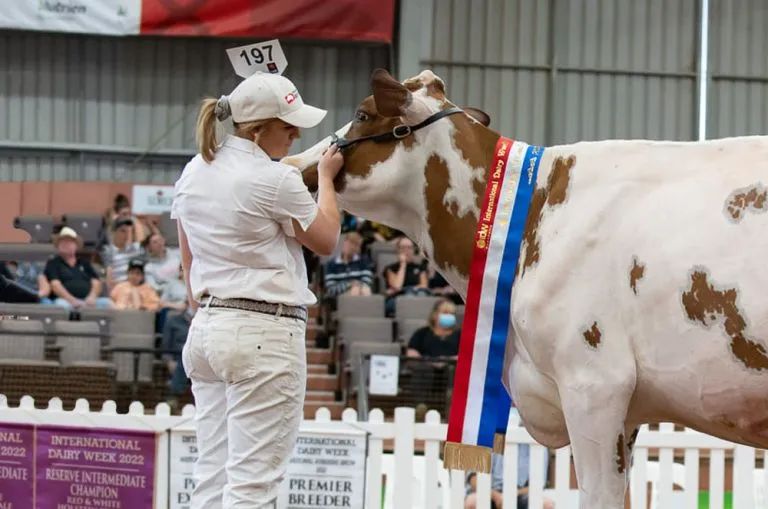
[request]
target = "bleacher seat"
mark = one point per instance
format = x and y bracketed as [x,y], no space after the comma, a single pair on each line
[124,361]
[407,326]
[47,315]
[353,329]
[414,307]
[121,321]
[90,227]
[22,341]
[80,343]
[25,252]
[169,229]
[361,348]
[369,306]
[460,314]
[40,228]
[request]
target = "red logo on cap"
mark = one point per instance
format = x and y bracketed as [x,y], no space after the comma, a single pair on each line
[291,97]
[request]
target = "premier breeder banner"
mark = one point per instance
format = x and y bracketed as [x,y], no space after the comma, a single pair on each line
[327,468]
[480,404]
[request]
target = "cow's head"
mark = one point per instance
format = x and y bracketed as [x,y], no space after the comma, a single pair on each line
[429,183]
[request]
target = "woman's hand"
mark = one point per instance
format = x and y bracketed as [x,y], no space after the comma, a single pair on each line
[330,163]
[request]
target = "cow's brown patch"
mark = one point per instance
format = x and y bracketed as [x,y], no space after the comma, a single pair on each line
[632,440]
[552,195]
[707,304]
[635,274]
[444,222]
[753,198]
[621,458]
[592,335]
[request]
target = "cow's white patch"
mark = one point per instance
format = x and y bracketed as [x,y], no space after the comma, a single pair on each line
[313,153]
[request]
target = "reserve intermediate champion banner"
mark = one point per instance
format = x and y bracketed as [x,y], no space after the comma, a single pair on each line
[480,404]
[55,467]
[343,20]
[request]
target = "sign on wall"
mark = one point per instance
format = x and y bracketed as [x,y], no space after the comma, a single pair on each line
[51,467]
[151,200]
[327,469]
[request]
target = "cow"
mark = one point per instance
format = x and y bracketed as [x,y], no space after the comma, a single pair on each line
[640,293]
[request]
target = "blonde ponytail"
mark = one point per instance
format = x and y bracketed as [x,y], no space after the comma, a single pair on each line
[205,131]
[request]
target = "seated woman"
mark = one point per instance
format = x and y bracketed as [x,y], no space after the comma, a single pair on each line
[135,292]
[433,344]
[440,338]
[405,276]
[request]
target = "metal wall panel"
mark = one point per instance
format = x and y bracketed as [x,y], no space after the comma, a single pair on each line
[738,91]
[72,99]
[555,71]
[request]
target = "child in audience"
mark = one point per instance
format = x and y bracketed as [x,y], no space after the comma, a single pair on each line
[135,292]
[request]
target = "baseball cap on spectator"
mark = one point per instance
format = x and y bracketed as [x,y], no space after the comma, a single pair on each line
[262,96]
[136,263]
[122,222]
[67,233]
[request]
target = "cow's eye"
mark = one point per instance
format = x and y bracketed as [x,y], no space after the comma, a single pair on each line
[361,116]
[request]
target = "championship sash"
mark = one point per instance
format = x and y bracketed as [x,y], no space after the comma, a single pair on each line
[480,404]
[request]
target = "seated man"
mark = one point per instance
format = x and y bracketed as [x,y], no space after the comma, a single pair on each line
[74,283]
[349,273]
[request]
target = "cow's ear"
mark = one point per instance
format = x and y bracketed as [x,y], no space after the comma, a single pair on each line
[391,97]
[479,115]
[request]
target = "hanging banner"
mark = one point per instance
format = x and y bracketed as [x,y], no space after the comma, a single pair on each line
[54,467]
[340,20]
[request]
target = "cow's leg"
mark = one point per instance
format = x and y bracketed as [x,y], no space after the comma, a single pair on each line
[595,413]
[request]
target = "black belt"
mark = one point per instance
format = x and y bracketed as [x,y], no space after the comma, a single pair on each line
[258,306]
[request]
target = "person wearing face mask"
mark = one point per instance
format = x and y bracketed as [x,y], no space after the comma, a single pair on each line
[440,338]
[430,347]
[243,218]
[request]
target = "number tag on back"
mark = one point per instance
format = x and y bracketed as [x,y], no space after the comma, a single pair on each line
[264,56]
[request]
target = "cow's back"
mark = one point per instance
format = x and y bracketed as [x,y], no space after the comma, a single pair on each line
[652,257]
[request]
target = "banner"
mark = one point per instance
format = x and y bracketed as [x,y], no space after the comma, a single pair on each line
[327,469]
[53,467]
[151,200]
[343,20]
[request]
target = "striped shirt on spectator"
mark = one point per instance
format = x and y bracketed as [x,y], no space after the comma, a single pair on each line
[339,275]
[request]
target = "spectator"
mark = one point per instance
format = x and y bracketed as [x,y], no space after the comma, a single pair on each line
[135,292]
[175,334]
[74,283]
[121,209]
[162,262]
[404,277]
[439,286]
[440,338]
[497,481]
[30,275]
[349,273]
[174,297]
[116,255]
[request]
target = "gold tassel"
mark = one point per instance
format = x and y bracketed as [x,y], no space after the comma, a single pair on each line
[499,441]
[470,458]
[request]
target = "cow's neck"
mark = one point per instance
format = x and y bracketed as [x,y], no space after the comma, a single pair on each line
[451,231]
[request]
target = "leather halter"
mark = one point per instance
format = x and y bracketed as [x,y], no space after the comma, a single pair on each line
[398,132]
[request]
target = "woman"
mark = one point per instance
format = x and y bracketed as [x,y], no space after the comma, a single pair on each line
[243,218]
[440,338]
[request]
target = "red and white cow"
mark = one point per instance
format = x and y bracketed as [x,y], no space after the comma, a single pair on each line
[642,286]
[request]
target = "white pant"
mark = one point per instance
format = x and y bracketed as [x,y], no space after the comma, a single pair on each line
[248,373]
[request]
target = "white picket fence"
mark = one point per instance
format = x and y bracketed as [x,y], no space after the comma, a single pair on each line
[418,481]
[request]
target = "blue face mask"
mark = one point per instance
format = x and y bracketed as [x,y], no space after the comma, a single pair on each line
[446,320]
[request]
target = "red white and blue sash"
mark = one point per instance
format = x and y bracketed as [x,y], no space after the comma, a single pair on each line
[480,404]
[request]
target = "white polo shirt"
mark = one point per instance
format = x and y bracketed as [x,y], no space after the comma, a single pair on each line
[236,212]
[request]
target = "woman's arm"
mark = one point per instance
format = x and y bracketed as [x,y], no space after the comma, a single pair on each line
[186,263]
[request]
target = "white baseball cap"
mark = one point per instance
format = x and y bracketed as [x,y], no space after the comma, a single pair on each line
[264,95]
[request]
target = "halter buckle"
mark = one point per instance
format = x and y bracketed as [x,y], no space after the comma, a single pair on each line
[401,131]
